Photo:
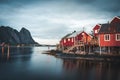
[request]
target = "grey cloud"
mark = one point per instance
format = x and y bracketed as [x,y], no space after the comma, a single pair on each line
[40,16]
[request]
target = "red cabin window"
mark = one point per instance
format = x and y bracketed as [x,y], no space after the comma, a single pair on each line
[96,31]
[64,41]
[72,40]
[107,37]
[117,37]
[68,39]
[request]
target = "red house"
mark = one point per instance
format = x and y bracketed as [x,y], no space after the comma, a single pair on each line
[74,38]
[109,34]
[115,20]
[83,37]
[67,41]
[96,30]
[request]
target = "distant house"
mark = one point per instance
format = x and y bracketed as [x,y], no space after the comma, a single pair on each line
[96,30]
[83,37]
[67,41]
[115,20]
[75,38]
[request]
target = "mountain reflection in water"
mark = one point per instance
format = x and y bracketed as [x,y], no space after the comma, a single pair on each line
[28,63]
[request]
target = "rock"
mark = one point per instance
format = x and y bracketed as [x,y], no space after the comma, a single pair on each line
[13,37]
[26,37]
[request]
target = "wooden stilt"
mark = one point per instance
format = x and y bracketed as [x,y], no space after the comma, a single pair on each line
[100,50]
[109,50]
[89,49]
[8,52]
[2,51]
[84,49]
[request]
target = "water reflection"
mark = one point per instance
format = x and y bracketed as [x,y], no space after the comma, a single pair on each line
[10,53]
[27,63]
[92,70]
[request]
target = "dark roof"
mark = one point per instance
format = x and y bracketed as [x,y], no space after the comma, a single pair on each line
[68,35]
[104,28]
[110,28]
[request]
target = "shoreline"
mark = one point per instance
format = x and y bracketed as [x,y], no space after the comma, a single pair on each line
[92,57]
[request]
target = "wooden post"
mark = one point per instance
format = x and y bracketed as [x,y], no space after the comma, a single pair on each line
[89,49]
[2,50]
[109,50]
[8,52]
[84,49]
[100,50]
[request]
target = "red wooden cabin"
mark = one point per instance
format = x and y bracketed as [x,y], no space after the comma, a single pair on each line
[109,34]
[96,30]
[74,38]
[83,37]
[115,20]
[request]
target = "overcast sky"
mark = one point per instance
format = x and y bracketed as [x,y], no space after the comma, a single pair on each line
[49,20]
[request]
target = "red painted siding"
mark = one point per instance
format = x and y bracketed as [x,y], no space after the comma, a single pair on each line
[83,36]
[112,41]
[67,42]
[96,28]
[80,37]
[115,20]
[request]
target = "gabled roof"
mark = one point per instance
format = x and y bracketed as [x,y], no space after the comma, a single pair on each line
[74,34]
[104,28]
[98,25]
[69,34]
[118,17]
[110,28]
[77,33]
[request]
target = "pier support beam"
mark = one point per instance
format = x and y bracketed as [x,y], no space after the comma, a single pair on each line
[109,50]
[100,51]
[8,52]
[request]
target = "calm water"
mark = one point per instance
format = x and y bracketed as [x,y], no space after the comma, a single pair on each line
[28,63]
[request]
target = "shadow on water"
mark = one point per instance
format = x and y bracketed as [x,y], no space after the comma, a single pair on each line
[15,53]
[91,70]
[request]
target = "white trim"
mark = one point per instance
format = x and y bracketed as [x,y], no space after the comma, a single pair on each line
[116,37]
[64,41]
[72,40]
[99,28]
[99,39]
[114,18]
[68,39]
[105,36]
[96,31]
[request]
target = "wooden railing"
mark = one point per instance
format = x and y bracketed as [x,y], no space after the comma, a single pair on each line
[77,44]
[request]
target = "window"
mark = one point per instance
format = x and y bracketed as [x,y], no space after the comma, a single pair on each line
[117,37]
[82,33]
[64,41]
[107,37]
[72,40]
[96,31]
[68,39]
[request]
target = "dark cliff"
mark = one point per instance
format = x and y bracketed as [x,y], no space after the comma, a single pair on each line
[11,36]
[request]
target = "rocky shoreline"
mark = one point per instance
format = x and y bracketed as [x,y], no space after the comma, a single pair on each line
[92,57]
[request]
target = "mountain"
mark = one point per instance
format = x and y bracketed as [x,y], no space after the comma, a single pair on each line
[11,36]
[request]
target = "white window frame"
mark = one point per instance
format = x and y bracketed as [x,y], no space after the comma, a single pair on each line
[68,39]
[105,37]
[72,39]
[64,40]
[82,33]
[96,31]
[116,37]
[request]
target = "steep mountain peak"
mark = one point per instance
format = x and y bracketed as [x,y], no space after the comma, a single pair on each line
[23,29]
[12,36]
